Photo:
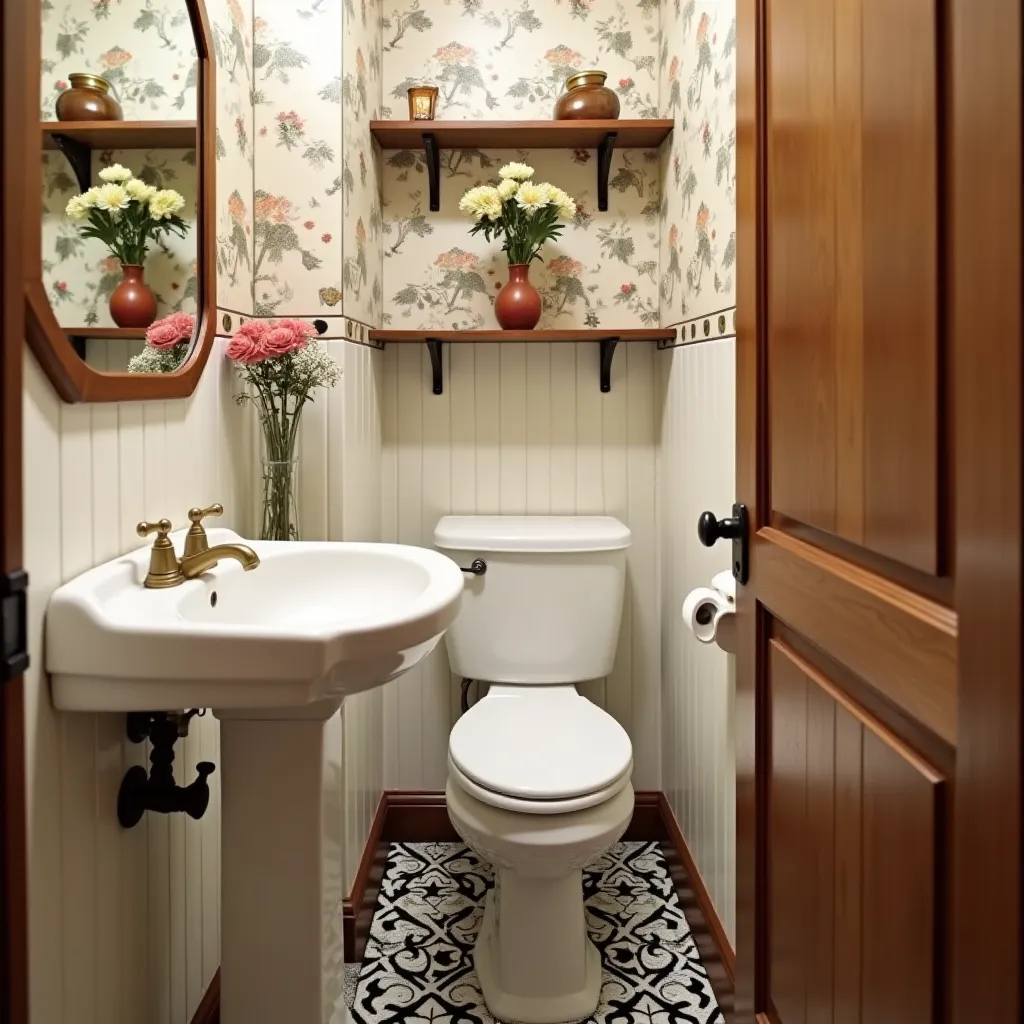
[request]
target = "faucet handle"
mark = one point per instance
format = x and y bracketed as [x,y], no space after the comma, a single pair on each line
[161,527]
[164,570]
[195,539]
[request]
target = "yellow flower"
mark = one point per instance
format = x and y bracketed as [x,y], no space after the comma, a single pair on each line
[507,188]
[557,197]
[115,173]
[165,203]
[482,201]
[111,196]
[78,208]
[531,197]
[139,190]
[516,171]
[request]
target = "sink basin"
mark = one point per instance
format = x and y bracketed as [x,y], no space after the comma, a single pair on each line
[314,621]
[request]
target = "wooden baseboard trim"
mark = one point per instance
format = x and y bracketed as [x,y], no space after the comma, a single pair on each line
[713,944]
[420,816]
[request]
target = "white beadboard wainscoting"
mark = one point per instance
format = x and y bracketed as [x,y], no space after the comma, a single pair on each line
[124,925]
[696,471]
[340,499]
[522,429]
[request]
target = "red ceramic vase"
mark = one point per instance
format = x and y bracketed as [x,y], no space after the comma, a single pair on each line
[518,305]
[132,304]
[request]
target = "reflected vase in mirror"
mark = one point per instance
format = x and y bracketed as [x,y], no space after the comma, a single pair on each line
[126,214]
[89,98]
[282,363]
[123,244]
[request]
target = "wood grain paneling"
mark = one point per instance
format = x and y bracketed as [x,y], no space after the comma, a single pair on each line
[802,253]
[899,161]
[855,820]
[852,198]
[522,429]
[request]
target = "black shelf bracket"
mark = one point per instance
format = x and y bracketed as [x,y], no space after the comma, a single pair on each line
[78,343]
[604,166]
[433,155]
[436,365]
[14,620]
[607,354]
[79,155]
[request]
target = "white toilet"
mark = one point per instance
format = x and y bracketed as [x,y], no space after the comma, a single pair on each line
[538,776]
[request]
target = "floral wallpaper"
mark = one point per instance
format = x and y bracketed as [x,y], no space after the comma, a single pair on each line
[231,27]
[362,167]
[297,201]
[510,59]
[79,274]
[697,64]
[602,272]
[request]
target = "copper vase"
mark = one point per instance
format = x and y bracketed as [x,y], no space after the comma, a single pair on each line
[587,98]
[518,305]
[132,304]
[88,99]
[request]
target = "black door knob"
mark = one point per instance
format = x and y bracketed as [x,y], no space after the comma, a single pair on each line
[710,529]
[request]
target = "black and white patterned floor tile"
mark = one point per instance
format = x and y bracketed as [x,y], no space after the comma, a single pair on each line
[418,966]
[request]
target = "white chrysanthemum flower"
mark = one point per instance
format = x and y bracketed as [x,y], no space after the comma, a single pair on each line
[138,190]
[314,368]
[531,197]
[508,188]
[482,201]
[111,197]
[516,171]
[116,174]
[78,208]
[560,198]
[166,203]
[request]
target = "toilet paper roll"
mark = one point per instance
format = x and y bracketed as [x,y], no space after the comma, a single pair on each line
[703,609]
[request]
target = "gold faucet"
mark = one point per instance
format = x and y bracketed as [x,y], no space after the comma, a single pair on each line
[167,570]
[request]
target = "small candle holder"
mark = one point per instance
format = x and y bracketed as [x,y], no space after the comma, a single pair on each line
[422,102]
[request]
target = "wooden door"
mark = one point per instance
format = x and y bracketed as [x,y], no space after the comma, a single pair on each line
[16,118]
[879,437]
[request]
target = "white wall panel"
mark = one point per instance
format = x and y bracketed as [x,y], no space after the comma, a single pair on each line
[696,471]
[124,926]
[522,428]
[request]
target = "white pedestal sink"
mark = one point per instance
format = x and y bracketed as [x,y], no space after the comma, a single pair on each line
[273,652]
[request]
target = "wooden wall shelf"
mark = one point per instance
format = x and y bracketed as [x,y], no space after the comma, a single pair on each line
[604,136]
[608,340]
[77,139]
[79,335]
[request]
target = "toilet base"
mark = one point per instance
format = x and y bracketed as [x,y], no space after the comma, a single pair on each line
[535,1009]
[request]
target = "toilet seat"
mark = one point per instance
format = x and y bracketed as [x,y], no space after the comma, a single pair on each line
[539,750]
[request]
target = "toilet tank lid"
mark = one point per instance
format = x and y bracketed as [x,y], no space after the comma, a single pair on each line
[531,533]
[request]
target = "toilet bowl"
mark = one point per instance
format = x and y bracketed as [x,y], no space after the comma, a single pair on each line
[538,776]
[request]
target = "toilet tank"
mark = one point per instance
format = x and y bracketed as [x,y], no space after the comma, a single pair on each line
[548,608]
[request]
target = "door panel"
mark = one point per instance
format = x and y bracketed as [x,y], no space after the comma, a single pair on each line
[852,204]
[854,822]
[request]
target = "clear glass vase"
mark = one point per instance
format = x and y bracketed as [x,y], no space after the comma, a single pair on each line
[280,500]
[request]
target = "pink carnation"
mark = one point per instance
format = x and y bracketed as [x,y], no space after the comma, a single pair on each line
[287,336]
[171,330]
[246,346]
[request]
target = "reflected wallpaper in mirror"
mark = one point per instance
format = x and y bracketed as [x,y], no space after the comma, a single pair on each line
[144,58]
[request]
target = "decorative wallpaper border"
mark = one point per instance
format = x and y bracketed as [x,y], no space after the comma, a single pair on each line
[331,328]
[719,324]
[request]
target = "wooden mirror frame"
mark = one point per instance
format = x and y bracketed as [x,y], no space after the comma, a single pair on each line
[73,379]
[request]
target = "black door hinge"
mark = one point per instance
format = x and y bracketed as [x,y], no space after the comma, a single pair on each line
[14,602]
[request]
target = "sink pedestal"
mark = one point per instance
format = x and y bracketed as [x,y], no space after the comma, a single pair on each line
[281,847]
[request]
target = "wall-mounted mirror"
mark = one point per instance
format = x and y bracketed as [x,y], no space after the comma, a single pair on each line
[120,273]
